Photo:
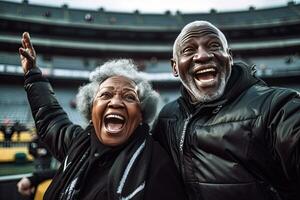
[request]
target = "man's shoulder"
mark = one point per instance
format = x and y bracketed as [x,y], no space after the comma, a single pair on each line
[274,90]
[284,94]
[268,95]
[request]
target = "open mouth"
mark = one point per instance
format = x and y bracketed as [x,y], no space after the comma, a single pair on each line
[206,75]
[114,123]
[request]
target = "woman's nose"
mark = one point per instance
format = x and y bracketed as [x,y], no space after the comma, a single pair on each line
[116,101]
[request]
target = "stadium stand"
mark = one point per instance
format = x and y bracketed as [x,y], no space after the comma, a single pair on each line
[10,154]
[72,42]
[12,107]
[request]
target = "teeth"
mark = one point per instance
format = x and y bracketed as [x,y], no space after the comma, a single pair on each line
[115,116]
[206,70]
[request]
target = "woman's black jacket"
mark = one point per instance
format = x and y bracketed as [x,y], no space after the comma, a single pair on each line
[72,146]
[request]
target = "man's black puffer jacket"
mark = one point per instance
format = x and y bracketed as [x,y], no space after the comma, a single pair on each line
[246,145]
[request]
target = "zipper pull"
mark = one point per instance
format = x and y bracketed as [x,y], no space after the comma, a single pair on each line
[217,109]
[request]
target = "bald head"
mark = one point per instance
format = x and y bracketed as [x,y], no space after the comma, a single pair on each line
[194,27]
[202,60]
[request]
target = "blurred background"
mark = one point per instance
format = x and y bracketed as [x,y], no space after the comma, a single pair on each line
[73,37]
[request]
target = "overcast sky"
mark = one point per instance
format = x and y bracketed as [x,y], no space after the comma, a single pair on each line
[160,6]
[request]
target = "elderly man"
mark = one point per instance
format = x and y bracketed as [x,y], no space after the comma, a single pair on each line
[230,135]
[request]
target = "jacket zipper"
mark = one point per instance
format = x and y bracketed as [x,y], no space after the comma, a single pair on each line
[186,121]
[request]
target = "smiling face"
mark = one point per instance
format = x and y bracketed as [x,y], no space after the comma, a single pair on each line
[116,111]
[203,62]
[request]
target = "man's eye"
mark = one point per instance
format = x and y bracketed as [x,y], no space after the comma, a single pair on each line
[188,50]
[215,45]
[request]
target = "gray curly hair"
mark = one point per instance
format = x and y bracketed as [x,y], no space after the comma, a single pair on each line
[119,67]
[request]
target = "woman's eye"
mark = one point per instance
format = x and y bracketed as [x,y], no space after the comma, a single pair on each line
[105,95]
[130,97]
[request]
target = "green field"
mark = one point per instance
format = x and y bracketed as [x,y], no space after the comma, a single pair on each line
[13,168]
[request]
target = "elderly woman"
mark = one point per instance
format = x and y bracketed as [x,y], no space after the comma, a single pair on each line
[114,157]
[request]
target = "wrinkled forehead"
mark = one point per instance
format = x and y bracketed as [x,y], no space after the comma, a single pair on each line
[200,30]
[120,82]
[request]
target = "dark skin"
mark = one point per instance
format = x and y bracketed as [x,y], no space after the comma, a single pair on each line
[203,62]
[117,95]
[27,53]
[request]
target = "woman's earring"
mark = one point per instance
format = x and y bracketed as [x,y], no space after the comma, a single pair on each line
[91,122]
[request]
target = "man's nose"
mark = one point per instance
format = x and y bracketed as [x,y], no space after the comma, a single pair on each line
[116,102]
[202,55]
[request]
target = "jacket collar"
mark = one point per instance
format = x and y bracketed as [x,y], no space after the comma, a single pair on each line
[242,77]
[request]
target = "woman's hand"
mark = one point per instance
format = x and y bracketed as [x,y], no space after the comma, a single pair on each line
[24,187]
[27,53]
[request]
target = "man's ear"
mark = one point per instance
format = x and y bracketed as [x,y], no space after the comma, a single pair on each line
[230,56]
[174,68]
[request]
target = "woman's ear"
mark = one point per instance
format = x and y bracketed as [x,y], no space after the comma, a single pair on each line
[141,119]
[174,68]
[91,112]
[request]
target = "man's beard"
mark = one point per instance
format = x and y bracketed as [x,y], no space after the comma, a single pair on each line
[198,96]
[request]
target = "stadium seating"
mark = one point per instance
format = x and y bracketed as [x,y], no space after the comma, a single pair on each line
[72,42]
[25,136]
[167,19]
[11,154]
